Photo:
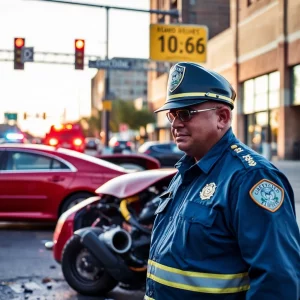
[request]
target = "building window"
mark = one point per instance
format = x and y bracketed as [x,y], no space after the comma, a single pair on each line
[173,4]
[250,2]
[261,93]
[161,19]
[296,85]
[248,96]
[192,18]
[260,106]
[274,87]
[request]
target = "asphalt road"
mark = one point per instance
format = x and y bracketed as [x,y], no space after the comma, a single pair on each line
[28,271]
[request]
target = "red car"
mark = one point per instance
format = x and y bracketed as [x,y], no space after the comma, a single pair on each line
[68,135]
[85,213]
[39,182]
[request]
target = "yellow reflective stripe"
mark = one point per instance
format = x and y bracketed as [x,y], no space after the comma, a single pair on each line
[198,281]
[148,298]
[212,95]
[197,288]
[197,274]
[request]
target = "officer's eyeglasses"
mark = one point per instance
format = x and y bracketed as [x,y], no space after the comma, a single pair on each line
[185,115]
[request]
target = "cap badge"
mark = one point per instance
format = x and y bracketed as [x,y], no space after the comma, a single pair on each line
[175,77]
[208,191]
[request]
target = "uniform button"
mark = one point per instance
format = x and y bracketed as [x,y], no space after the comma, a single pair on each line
[170,219]
[183,187]
[150,293]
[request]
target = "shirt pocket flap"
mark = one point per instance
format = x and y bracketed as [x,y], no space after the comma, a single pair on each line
[198,213]
[165,194]
[165,199]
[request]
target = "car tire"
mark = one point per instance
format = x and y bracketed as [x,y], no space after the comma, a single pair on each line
[73,200]
[77,278]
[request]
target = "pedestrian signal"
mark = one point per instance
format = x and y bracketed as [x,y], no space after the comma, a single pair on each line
[79,54]
[19,43]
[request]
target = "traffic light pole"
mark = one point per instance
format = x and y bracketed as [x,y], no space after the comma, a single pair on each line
[106,113]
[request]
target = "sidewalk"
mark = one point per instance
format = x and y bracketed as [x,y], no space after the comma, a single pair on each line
[291,168]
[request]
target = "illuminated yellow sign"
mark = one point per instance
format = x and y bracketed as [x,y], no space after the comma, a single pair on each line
[180,42]
[106,105]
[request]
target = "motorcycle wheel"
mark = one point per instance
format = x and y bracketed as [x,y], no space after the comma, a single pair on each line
[81,274]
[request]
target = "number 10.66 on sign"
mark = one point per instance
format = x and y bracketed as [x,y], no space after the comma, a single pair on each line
[178,42]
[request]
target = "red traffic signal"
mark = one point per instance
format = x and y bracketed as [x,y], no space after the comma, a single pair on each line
[79,54]
[19,43]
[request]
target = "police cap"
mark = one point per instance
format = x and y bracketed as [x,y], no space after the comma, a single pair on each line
[191,84]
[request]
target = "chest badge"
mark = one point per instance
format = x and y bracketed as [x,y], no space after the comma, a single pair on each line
[208,191]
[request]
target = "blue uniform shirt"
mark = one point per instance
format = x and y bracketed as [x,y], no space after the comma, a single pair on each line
[225,229]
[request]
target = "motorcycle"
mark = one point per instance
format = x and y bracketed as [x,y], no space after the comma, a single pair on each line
[114,249]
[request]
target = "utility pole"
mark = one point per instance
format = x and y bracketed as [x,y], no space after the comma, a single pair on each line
[108,95]
[106,112]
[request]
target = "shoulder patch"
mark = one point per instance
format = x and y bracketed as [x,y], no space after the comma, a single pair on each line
[267,194]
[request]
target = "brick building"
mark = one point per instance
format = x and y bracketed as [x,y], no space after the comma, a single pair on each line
[123,85]
[259,54]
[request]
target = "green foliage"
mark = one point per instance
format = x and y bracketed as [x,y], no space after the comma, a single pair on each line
[92,125]
[142,118]
[122,112]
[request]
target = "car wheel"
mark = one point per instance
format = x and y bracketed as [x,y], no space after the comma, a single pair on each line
[73,200]
[80,272]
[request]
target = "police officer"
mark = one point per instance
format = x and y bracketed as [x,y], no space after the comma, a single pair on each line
[226,225]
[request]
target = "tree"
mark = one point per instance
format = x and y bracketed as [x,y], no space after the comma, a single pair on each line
[122,112]
[142,118]
[92,126]
[125,112]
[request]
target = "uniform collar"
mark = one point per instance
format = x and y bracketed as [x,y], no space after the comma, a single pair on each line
[210,158]
[213,155]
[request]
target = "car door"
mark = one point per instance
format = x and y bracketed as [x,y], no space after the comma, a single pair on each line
[163,153]
[168,154]
[33,182]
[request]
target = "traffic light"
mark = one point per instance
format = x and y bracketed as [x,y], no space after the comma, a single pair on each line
[79,54]
[19,43]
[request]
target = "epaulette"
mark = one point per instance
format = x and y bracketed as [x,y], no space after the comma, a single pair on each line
[244,155]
